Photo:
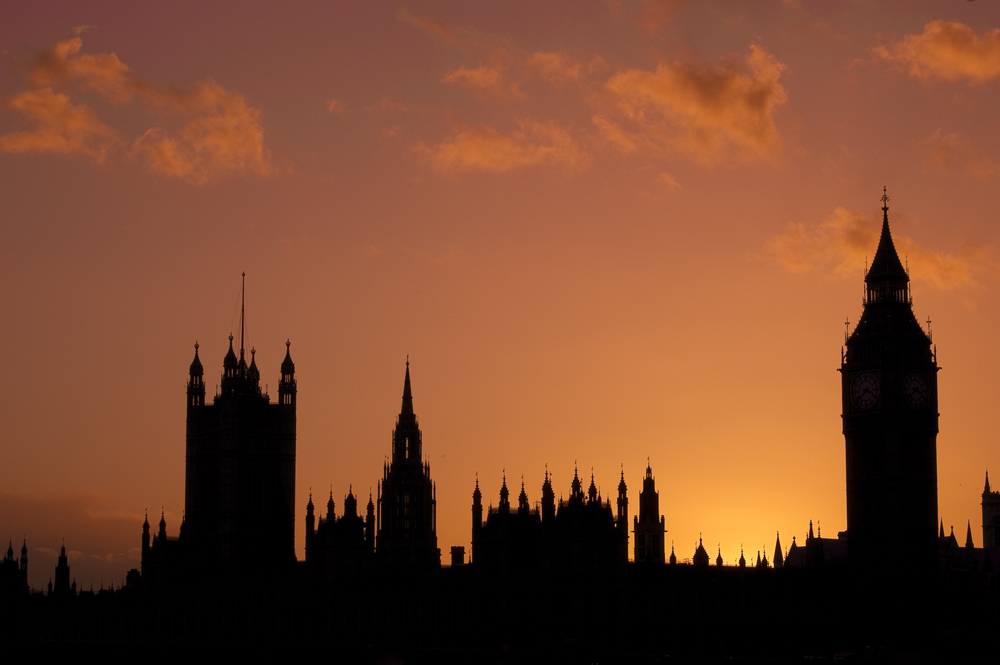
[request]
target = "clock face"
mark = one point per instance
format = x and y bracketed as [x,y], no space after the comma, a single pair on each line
[864,390]
[915,390]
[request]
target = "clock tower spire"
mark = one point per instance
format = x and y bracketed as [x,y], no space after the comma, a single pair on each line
[890,417]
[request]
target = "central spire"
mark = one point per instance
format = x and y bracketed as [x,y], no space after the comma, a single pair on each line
[407,409]
[243,300]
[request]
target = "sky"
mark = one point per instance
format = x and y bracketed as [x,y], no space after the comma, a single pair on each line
[603,232]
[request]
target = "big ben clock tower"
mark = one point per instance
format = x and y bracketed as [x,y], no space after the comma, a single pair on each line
[889,389]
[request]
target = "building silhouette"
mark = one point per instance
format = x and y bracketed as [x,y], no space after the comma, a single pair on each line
[407,504]
[239,499]
[889,388]
[649,526]
[544,576]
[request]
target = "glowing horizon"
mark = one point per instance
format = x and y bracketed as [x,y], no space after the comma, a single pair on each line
[602,232]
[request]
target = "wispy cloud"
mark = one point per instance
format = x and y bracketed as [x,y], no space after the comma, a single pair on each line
[483,148]
[947,50]
[491,77]
[336,106]
[61,126]
[706,111]
[430,26]
[225,136]
[843,241]
[612,132]
[954,152]
[648,15]
[222,133]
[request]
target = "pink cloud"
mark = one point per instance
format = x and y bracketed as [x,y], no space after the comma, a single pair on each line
[949,51]
[844,241]
[483,148]
[222,133]
[705,111]
[61,126]
[954,152]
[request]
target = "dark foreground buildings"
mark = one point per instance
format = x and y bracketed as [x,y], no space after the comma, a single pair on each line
[545,576]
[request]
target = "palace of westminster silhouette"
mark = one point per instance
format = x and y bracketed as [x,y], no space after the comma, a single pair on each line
[556,575]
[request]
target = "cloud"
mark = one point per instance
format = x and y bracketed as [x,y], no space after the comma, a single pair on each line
[954,152]
[61,126]
[224,137]
[101,540]
[613,132]
[846,239]
[487,78]
[491,77]
[386,104]
[555,66]
[649,15]
[672,184]
[336,106]
[483,148]
[437,28]
[949,51]
[222,134]
[703,111]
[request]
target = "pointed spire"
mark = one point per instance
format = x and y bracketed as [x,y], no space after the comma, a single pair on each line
[673,557]
[986,490]
[811,536]
[407,394]
[941,534]
[196,367]
[886,266]
[230,362]
[968,537]
[287,366]
[779,559]
[504,495]
[522,500]
[243,325]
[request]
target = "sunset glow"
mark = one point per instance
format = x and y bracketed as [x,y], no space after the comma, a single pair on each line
[602,232]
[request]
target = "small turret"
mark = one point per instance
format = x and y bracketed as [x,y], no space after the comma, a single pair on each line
[522,500]
[700,558]
[145,537]
[253,373]
[622,502]
[969,545]
[196,381]
[592,492]
[504,506]
[548,499]
[576,488]
[350,503]
[743,561]
[229,363]
[330,512]
[310,517]
[286,387]
[779,559]
[163,527]
[370,522]
[673,557]
[718,559]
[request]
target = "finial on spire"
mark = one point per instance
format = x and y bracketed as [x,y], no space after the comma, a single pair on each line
[884,199]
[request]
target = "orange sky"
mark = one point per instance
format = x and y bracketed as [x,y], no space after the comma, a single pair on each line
[602,232]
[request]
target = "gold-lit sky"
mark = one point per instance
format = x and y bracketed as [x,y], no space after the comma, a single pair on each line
[602,231]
